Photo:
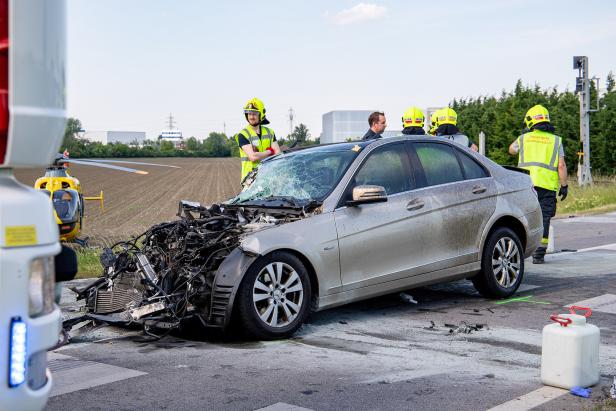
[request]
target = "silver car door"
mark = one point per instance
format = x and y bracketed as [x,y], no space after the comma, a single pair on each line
[463,196]
[378,242]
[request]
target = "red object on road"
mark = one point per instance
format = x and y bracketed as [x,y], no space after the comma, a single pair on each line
[574,308]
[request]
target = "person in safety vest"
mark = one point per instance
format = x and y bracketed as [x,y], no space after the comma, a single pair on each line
[433,123]
[413,122]
[256,141]
[541,152]
[447,121]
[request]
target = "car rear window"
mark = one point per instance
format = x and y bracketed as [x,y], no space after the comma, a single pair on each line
[439,163]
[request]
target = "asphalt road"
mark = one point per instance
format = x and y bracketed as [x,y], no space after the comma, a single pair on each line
[381,354]
[584,232]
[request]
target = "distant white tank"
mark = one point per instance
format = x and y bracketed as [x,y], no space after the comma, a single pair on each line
[570,351]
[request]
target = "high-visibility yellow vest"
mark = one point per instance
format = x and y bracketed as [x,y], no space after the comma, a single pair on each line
[261,144]
[538,153]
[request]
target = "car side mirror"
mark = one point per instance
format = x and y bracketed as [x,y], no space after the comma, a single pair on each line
[367,194]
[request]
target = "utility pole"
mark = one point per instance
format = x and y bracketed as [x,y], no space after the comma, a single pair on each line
[291,115]
[582,86]
[482,143]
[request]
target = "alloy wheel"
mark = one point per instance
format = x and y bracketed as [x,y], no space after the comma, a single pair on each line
[506,262]
[278,294]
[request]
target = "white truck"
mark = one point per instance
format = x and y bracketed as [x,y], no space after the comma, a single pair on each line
[32,121]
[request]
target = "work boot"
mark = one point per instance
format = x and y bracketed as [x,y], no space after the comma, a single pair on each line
[538,260]
[539,255]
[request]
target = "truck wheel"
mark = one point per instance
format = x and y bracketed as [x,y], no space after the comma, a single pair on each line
[502,265]
[274,297]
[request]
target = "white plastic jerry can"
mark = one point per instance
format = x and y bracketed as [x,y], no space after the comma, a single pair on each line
[570,351]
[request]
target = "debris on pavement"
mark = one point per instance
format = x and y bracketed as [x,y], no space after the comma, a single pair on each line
[464,328]
[407,298]
[431,327]
[581,392]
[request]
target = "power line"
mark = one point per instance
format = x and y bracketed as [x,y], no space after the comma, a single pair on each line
[170,122]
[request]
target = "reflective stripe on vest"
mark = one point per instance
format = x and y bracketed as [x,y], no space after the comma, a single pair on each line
[538,153]
[261,145]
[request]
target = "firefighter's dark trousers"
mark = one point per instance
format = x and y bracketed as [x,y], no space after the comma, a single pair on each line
[547,201]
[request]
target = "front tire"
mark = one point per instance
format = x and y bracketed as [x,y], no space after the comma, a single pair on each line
[274,297]
[502,265]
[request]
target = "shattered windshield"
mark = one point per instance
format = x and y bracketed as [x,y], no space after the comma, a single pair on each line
[304,175]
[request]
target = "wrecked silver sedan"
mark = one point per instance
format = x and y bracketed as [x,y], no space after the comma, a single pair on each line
[320,227]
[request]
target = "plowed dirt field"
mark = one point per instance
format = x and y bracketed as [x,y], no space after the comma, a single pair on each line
[135,202]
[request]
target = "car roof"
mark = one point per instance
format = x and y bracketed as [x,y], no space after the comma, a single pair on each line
[347,145]
[344,146]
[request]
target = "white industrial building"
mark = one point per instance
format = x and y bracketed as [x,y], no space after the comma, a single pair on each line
[341,125]
[106,137]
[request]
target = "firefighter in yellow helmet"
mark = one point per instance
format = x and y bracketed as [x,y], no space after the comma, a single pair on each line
[447,120]
[433,123]
[413,121]
[541,152]
[256,141]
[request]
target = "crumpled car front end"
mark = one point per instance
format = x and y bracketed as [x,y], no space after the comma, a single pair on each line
[167,275]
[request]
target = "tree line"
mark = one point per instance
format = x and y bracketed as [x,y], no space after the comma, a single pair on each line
[501,118]
[215,145]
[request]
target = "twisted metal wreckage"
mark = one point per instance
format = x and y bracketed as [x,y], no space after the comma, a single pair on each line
[170,273]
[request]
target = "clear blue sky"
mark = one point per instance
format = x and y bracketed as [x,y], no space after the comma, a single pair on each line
[131,63]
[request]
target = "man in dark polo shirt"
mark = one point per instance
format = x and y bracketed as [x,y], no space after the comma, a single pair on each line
[377,126]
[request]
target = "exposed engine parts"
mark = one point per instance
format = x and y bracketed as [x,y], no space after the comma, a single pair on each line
[166,275]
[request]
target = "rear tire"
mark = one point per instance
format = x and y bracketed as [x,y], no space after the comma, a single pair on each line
[274,297]
[502,265]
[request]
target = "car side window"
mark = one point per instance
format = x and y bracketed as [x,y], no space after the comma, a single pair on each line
[386,167]
[439,163]
[472,169]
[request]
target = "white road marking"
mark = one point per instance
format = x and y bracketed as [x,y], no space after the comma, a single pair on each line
[71,374]
[531,400]
[281,406]
[605,303]
[611,246]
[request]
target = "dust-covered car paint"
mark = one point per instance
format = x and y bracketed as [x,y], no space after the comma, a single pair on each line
[298,240]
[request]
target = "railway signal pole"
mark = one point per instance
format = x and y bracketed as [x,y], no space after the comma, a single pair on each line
[582,86]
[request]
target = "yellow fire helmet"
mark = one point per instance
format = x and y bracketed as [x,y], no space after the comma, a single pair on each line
[256,105]
[447,115]
[413,117]
[433,123]
[537,114]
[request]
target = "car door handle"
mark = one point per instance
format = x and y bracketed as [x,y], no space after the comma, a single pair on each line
[415,204]
[479,189]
